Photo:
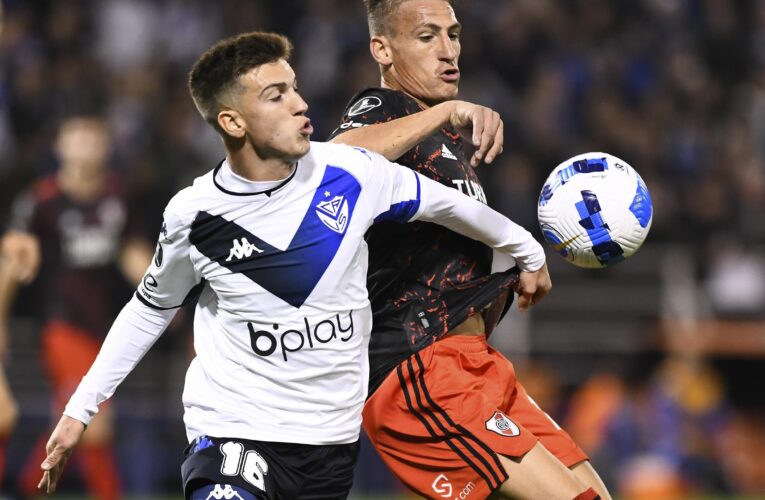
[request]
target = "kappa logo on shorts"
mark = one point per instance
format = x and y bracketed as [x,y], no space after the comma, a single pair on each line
[502,425]
[226,492]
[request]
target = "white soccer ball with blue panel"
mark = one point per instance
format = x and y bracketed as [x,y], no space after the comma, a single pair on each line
[595,210]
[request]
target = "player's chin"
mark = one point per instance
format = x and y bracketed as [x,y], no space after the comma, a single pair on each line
[446,91]
[303,144]
[295,150]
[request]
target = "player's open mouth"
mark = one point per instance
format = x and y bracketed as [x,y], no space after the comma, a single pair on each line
[450,75]
[307,128]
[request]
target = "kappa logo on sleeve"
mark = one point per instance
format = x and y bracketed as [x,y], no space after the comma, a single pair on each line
[502,425]
[364,105]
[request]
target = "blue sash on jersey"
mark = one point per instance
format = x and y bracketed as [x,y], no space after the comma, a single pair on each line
[290,274]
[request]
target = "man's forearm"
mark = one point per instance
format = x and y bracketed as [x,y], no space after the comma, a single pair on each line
[134,258]
[8,287]
[394,138]
[133,333]
[449,208]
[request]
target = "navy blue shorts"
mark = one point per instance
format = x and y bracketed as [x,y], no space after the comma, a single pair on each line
[269,470]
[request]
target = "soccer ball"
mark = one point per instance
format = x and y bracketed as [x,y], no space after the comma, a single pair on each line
[595,210]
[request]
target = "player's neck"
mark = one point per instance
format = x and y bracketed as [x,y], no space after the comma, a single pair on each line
[249,165]
[80,183]
[392,85]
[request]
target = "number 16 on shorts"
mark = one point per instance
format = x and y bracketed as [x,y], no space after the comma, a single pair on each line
[250,465]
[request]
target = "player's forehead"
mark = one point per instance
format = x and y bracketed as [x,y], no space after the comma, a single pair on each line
[83,124]
[415,14]
[80,128]
[267,75]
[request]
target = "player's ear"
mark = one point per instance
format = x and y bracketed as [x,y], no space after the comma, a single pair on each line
[379,46]
[231,122]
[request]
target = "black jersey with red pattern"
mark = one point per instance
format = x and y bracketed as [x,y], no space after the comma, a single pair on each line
[424,279]
[79,244]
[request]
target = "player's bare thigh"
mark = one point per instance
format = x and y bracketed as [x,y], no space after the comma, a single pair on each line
[538,474]
[586,472]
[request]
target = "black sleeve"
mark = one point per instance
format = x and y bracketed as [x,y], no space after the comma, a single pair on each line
[372,106]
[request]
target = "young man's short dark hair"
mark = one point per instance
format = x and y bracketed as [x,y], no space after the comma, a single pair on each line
[217,70]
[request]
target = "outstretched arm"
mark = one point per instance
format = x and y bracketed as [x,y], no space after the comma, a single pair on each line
[164,289]
[404,195]
[133,333]
[462,214]
[480,125]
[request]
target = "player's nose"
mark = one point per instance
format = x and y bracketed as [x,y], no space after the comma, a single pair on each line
[446,49]
[299,106]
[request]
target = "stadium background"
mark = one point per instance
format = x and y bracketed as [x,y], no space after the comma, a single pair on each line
[654,366]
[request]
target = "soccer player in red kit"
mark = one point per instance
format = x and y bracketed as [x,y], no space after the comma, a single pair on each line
[78,221]
[445,410]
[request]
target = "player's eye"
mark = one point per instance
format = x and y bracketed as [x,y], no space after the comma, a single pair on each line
[454,36]
[276,98]
[425,38]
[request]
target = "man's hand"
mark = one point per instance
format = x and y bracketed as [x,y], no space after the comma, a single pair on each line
[65,437]
[532,287]
[482,126]
[21,253]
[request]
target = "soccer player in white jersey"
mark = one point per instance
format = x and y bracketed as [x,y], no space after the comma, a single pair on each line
[271,243]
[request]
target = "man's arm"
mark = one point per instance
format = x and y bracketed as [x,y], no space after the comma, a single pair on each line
[403,195]
[481,125]
[166,287]
[8,286]
[450,208]
[133,333]
[462,214]
[19,263]
[134,258]
[21,250]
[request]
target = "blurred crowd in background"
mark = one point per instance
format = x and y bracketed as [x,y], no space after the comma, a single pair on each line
[674,87]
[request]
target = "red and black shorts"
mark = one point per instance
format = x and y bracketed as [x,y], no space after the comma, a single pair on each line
[443,416]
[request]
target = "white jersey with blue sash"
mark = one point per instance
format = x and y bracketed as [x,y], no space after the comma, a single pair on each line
[282,322]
